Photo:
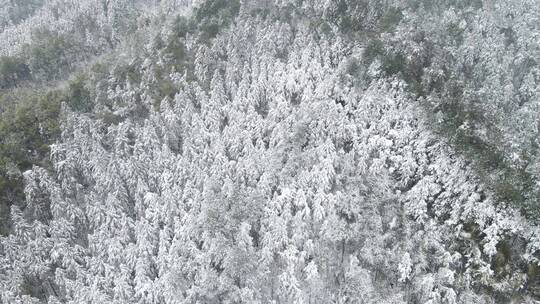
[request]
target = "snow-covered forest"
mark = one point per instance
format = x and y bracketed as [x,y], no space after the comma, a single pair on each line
[270,151]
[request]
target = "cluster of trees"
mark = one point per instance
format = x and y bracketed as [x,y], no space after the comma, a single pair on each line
[13,12]
[275,152]
[29,123]
[473,65]
[56,37]
[45,47]
[12,72]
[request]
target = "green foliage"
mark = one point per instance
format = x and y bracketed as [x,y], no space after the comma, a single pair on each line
[393,64]
[217,8]
[353,67]
[165,88]
[364,17]
[11,191]
[176,50]
[79,97]
[390,19]
[374,49]
[342,17]
[29,123]
[49,55]
[533,277]
[213,15]
[455,33]
[28,126]
[127,73]
[12,71]
[182,27]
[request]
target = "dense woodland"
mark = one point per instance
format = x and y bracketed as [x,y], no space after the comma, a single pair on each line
[270,151]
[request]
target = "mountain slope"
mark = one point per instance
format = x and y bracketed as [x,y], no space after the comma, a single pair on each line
[257,152]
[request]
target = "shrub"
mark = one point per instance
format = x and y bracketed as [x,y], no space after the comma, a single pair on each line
[373,50]
[78,96]
[13,70]
[49,55]
[214,15]
[29,123]
[390,19]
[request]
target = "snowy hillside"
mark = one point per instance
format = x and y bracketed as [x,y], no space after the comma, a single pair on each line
[287,151]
